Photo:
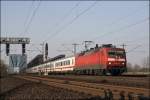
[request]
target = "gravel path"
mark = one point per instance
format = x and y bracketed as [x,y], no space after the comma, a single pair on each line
[17,89]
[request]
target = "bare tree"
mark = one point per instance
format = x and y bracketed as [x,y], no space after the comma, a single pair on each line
[136,68]
[145,64]
[129,67]
[3,69]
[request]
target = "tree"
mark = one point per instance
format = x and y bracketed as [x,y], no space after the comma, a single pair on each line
[3,69]
[136,68]
[129,67]
[145,64]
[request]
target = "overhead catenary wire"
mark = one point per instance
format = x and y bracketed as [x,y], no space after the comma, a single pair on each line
[132,41]
[126,27]
[73,8]
[28,13]
[66,15]
[32,17]
[125,17]
[66,48]
[136,40]
[131,13]
[69,23]
[122,28]
[131,25]
[62,19]
[133,49]
[36,48]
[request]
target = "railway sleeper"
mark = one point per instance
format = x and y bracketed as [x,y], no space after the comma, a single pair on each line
[122,95]
[87,85]
[105,93]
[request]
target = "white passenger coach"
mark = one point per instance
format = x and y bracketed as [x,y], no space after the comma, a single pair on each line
[60,65]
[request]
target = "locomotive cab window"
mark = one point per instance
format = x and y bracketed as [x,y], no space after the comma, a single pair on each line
[113,54]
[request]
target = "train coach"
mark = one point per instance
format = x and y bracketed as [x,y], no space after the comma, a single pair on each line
[106,59]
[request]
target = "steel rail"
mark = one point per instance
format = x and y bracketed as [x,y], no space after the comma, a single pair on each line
[91,88]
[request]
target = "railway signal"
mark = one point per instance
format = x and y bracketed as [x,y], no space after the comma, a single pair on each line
[46,51]
[7,49]
[23,49]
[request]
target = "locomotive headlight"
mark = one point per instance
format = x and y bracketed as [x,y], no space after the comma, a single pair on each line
[109,63]
[123,63]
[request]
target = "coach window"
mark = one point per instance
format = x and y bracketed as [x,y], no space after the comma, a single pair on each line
[68,62]
[56,64]
[65,62]
[62,63]
[72,62]
[51,65]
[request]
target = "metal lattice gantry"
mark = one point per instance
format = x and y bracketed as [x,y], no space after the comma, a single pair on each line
[14,40]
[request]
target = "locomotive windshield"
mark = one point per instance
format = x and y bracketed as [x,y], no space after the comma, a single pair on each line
[113,54]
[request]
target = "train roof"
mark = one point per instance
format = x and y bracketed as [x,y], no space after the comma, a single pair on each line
[59,58]
[55,58]
[97,48]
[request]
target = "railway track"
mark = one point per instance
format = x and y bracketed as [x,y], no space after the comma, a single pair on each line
[141,82]
[124,77]
[105,91]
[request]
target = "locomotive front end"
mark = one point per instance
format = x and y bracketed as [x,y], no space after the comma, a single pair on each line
[116,61]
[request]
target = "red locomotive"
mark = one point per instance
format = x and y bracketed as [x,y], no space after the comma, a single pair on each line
[101,60]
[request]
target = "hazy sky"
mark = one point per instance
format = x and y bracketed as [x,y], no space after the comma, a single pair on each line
[67,22]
